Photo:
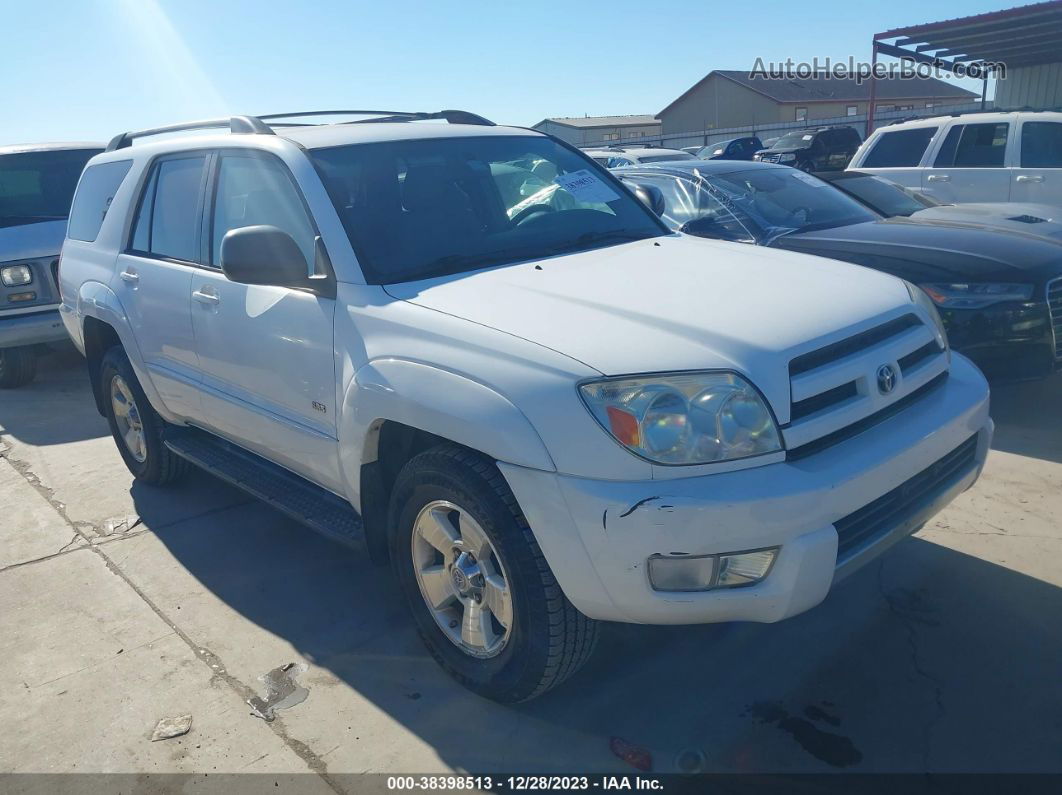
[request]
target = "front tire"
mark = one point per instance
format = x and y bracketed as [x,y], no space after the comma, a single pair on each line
[483,597]
[136,428]
[18,366]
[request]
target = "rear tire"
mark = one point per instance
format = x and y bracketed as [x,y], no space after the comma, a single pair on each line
[18,366]
[484,534]
[136,428]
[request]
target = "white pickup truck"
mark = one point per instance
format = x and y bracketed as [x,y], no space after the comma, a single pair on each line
[473,350]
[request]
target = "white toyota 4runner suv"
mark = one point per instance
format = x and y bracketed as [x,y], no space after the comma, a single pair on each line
[474,351]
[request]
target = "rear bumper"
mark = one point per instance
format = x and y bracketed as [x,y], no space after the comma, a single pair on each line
[31,329]
[598,535]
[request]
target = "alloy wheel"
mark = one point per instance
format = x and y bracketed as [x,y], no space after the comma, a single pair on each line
[127,417]
[462,579]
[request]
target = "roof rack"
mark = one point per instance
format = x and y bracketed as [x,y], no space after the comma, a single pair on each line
[240,125]
[257,125]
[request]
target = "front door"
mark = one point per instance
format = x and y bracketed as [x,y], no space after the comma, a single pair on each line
[265,353]
[1038,176]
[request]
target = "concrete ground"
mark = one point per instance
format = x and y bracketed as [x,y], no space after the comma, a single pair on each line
[122,604]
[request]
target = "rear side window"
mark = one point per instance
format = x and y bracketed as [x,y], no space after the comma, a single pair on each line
[168,221]
[974,146]
[899,149]
[93,198]
[1041,144]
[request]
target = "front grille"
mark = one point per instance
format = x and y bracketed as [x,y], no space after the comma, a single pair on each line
[875,519]
[769,158]
[835,390]
[1054,306]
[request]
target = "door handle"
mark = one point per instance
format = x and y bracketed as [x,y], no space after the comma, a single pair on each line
[206,298]
[130,276]
[939,178]
[1030,178]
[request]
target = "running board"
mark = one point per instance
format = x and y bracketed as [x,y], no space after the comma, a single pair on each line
[306,502]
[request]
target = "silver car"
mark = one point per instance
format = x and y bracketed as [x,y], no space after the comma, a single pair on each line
[37,182]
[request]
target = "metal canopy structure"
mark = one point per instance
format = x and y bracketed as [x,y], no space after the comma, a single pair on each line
[1024,36]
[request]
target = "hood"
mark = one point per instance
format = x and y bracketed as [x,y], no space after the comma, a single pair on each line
[672,303]
[29,241]
[1042,220]
[935,250]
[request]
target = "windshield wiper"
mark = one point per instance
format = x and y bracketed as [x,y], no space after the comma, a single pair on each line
[590,238]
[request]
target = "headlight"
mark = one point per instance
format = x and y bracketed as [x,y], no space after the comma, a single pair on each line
[684,418]
[919,297]
[976,295]
[786,158]
[16,275]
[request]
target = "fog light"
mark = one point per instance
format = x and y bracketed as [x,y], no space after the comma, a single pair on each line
[704,572]
[686,573]
[745,568]
[17,297]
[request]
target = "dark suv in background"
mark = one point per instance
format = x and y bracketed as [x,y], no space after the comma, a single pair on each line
[733,149]
[813,149]
[37,182]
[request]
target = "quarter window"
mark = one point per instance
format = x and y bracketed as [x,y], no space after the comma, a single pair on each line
[1041,144]
[900,148]
[93,198]
[168,221]
[253,191]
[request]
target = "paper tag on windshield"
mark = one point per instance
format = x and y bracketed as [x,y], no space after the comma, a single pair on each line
[814,182]
[586,187]
[806,138]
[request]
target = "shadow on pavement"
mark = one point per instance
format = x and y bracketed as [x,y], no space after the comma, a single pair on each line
[57,407]
[1029,418]
[918,662]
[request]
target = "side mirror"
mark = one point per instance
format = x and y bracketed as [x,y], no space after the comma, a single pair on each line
[707,226]
[651,196]
[263,255]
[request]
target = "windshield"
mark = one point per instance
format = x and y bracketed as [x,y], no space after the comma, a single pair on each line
[784,200]
[794,140]
[885,196]
[424,208]
[38,186]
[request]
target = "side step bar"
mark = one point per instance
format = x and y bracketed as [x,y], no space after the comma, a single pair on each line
[306,502]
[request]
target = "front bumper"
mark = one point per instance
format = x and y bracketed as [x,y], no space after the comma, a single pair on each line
[1009,341]
[31,328]
[598,535]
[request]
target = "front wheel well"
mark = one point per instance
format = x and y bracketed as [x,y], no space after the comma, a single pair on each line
[99,338]
[395,444]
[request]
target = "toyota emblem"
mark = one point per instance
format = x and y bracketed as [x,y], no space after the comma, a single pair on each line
[886,379]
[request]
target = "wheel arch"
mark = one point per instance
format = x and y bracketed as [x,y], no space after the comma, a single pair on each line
[104,324]
[394,409]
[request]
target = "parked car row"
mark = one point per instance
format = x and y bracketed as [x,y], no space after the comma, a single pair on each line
[472,350]
[998,290]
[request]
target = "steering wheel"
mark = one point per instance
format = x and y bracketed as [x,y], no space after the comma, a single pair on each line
[528,212]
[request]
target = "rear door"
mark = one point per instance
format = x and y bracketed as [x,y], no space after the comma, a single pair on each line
[970,165]
[897,154]
[265,353]
[1038,176]
[155,271]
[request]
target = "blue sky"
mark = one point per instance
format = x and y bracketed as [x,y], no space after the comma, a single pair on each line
[86,69]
